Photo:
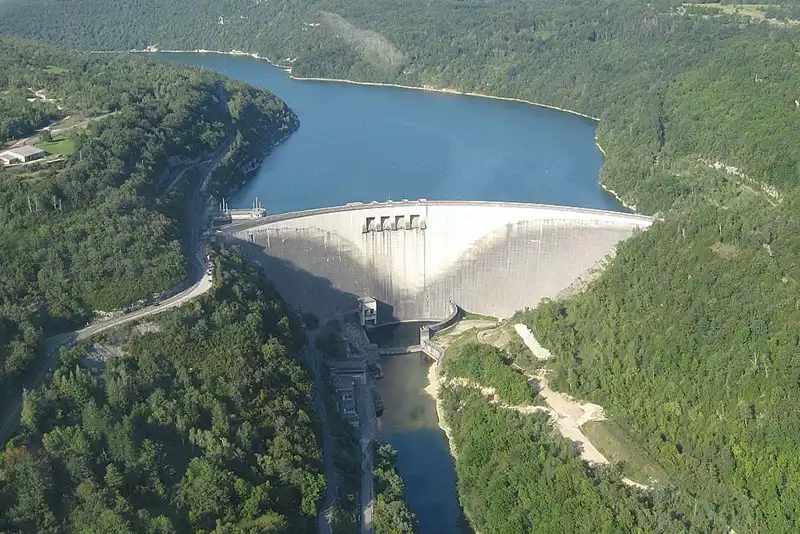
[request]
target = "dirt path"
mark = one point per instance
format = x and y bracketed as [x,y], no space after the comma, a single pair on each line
[539,352]
[569,426]
[493,398]
[570,414]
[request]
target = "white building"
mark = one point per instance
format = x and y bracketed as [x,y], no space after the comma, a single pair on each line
[368,308]
[21,154]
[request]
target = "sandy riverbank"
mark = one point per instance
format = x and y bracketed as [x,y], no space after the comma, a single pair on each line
[447,91]
[434,382]
[631,207]
[597,144]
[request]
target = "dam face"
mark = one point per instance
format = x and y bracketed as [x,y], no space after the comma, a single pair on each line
[414,257]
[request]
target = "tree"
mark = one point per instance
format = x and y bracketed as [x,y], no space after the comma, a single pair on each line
[206,490]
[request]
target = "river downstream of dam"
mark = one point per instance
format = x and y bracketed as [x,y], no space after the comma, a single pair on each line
[410,424]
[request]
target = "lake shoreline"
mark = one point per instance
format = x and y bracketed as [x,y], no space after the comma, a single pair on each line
[613,193]
[428,88]
[432,89]
[433,389]
[287,64]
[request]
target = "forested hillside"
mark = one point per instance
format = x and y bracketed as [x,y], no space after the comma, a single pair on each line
[391,514]
[689,339]
[693,348]
[202,422]
[518,473]
[96,231]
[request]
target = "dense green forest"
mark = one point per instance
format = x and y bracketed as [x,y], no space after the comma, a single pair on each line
[202,422]
[489,367]
[96,232]
[693,349]
[688,339]
[516,475]
[391,514]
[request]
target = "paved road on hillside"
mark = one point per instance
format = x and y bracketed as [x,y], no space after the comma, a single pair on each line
[56,131]
[366,415]
[201,283]
[51,345]
[315,362]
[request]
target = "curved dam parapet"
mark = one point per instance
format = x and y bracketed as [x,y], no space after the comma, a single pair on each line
[491,258]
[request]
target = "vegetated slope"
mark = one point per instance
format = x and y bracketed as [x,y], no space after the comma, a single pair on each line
[516,475]
[391,513]
[692,347]
[203,424]
[709,293]
[489,367]
[91,233]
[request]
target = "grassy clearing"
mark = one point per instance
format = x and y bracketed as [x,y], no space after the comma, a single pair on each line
[615,444]
[754,11]
[478,317]
[725,251]
[500,336]
[470,336]
[61,147]
[70,121]
[55,69]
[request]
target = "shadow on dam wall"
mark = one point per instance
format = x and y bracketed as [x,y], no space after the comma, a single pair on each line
[303,290]
[505,270]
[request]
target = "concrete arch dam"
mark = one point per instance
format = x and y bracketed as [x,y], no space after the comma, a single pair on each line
[491,258]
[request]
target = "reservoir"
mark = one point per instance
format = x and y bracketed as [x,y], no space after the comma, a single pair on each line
[410,424]
[359,143]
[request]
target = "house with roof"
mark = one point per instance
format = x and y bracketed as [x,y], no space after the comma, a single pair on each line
[21,154]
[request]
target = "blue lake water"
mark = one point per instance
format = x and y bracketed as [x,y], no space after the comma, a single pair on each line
[358,143]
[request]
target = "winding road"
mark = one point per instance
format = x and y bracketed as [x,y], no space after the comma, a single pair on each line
[52,345]
[200,282]
[315,362]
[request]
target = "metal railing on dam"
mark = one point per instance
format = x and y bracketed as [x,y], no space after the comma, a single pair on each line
[414,257]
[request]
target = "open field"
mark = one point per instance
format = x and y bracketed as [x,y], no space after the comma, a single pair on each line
[615,444]
[55,69]
[478,317]
[60,147]
[756,12]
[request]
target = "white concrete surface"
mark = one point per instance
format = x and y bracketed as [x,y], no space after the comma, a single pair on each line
[490,258]
[539,352]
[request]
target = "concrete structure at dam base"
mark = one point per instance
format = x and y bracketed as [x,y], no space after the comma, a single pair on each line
[414,258]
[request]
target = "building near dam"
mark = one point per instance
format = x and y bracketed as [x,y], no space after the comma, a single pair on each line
[414,258]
